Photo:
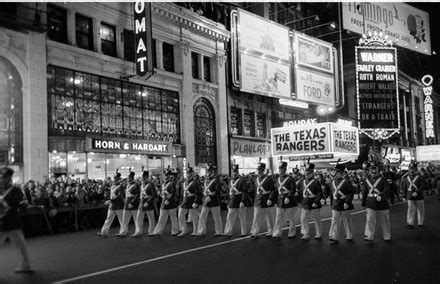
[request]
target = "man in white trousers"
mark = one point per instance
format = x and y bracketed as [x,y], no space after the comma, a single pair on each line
[211,203]
[375,197]
[168,206]
[146,206]
[264,202]
[311,192]
[191,199]
[413,186]
[10,222]
[341,199]
[287,206]
[115,205]
[131,204]
[237,200]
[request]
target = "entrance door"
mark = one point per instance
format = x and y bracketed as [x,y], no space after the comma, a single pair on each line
[204,133]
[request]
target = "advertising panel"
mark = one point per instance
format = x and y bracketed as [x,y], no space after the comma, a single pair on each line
[264,77]
[246,148]
[315,88]
[314,53]
[127,146]
[258,34]
[345,139]
[377,92]
[405,25]
[428,153]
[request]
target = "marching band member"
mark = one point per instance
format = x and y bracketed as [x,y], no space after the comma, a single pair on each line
[237,199]
[375,197]
[311,192]
[263,204]
[341,199]
[413,192]
[116,204]
[191,199]
[286,206]
[10,223]
[146,206]
[131,204]
[168,207]
[211,202]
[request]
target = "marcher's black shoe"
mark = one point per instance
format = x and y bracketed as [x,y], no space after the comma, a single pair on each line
[334,242]
[369,242]
[317,238]
[26,269]
[410,226]
[102,235]
[349,240]
[387,241]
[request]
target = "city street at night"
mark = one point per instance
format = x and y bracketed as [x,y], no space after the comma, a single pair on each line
[412,256]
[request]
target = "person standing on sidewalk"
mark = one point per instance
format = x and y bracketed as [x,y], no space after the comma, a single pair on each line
[10,223]
[146,206]
[413,186]
[115,205]
[211,202]
[341,200]
[311,192]
[375,197]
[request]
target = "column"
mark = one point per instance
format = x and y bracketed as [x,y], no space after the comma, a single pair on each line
[159,54]
[222,116]
[119,42]
[96,35]
[200,63]
[71,37]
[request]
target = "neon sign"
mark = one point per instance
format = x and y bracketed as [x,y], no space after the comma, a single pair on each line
[142,36]
[429,113]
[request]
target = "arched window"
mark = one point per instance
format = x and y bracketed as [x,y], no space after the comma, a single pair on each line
[204,133]
[11,114]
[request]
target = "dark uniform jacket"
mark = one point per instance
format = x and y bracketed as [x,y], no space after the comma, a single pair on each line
[311,192]
[211,189]
[116,197]
[237,192]
[286,188]
[169,193]
[373,189]
[132,199]
[9,218]
[264,191]
[191,193]
[411,185]
[148,196]
[341,193]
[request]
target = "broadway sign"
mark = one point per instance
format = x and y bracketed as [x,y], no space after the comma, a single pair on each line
[377,88]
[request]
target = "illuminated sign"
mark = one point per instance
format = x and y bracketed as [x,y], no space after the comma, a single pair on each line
[316,139]
[300,122]
[246,148]
[142,37]
[128,146]
[428,153]
[429,112]
[377,87]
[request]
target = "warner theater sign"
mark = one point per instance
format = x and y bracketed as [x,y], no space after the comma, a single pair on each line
[324,139]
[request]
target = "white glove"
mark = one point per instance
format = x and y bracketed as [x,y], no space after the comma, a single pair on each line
[414,194]
[107,202]
[379,198]
[345,206]
[314,205]
[130,206]
[296,194]
[207,199]
[269,203]
[194,205]
[166,202]
[146,204]
[286,200]
[241,204]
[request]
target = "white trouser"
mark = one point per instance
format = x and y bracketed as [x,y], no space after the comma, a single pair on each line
[370,225]
[194,214]
[258,219]
[414,205]
[215,211]
[315,215]
[111,214]
[231,218]
[163,217]
[285,213]
[17,239]
[139,222]
[337,218]
[126,216]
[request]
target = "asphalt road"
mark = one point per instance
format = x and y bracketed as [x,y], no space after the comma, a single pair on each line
[413,256]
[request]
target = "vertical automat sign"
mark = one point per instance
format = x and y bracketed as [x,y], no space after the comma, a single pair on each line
[143,38]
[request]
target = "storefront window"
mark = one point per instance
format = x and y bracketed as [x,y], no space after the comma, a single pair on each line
[76,165]
[57,164]
[236,121]
[81,103]
[249,164]
[261,125]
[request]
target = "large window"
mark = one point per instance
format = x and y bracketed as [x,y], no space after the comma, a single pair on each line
[84,32]
[207,69]
[205,133]
[195,65]
[81,103]
[129,49]
[56,24]
[108,40]
[168,56]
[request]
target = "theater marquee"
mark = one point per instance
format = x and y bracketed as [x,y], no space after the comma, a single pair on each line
[127,146]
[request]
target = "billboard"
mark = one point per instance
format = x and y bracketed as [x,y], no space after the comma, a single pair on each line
[428,153]
[258,34]
[377,88]
[321,139]
[264,77]
[314,53]
[405,25]
[317,88]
